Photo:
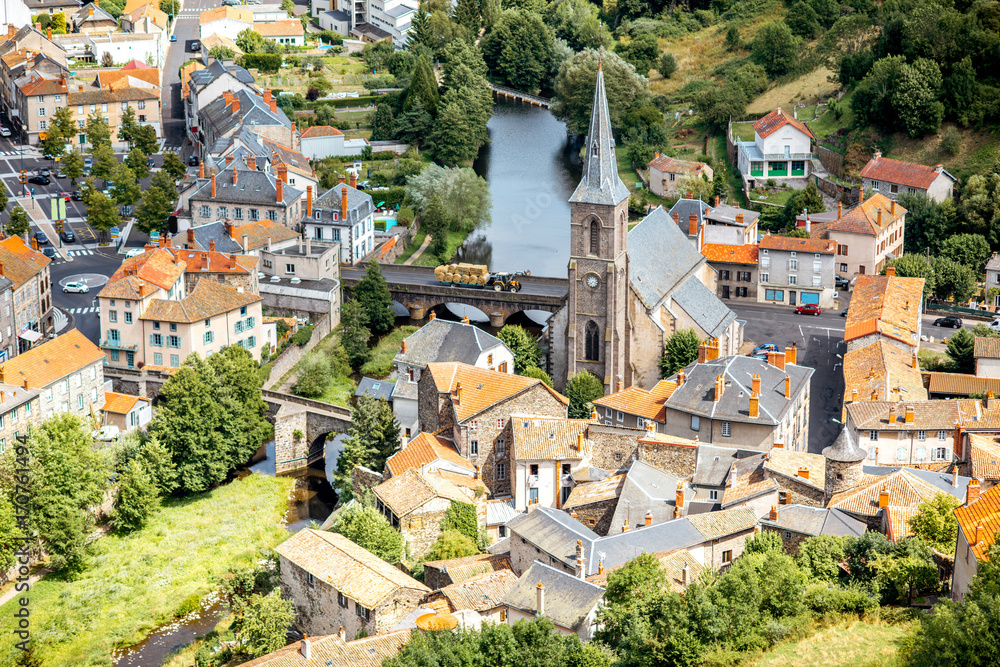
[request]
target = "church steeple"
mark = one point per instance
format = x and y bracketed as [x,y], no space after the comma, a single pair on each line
[600,183]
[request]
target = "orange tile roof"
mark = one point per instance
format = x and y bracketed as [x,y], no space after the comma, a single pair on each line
[880,369]
[279,29]
[424,449]
[788,463]
[158,16]
[321,131]
[668,164]
[863,218]
[927,415]
[548,438]
[980,521]
[410,490]
[209,261]
[234,13]
[889,305]
[905,490]
[984,456]
[481,388]
[637,401]
[976,414]
[461,569]
[593,492]
[259,232]
[208,299]
[332,651]
[909,174]
[775,242]
[53,360]
[897,521]
[120,404]
[777,119]
[43,86]
[120,78]
[960,383]
[986,348]
[730,254]
[20,263]
[156,266]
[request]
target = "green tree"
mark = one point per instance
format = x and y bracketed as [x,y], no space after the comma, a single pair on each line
[173,166]
[354,333]
[951,141]
[423,87]
[962,94]
[929,223]
[158,462]
[914,266]
[464,195]
[467,15]
[960,349]
[680,350]
[10,535]
[764,542]
[775,48]
[574,88]
[969,250]
[860,555]
[642,52]
[151,214]
[136,500]
[104,163]
[809,198]
[717,106]
[523,345]
[538,374]
[383,124]
[102,213]
[18,224]
[820,557]
[262,623]
[803,20]
[415,125]
[463,518]
[916,98]
[733,40]
[582,389]
[72,165]
[935,522]
[144,138]
[435,225]
[633,591]
[61,128]
[98,132]
[127,125]
[288,6]
[451,544]
[798,233]
[901,575]
[250,41]
[372,293]
[127,189]
[238,383]
[136,161]
[368,528]
[221,52]
[667,65]
[58,23]
[315,376]
[953,280]
[170,7]
[450,138]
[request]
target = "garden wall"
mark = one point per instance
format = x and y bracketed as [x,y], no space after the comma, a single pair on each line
[293,354]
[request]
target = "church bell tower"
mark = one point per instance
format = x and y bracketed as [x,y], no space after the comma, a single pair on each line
[598,265]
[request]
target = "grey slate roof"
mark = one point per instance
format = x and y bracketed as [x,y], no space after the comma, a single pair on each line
[309,289]
[100,14]
[939,479]
[660,256]
[816,521]
[219,122]
[406,390]
[696,395]
[215,231]
[499,547]
[684,208]
[994,263]
[337,15]
[440,340]
[568,600]
[375,388]
[205,76]
[727,214]
[703,306]
[252,187]
[845,449]
[646,489]
[359,205]
[712,464]
[600,183]
[498,512]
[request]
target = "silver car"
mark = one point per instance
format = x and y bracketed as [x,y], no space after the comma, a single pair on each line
[77,288]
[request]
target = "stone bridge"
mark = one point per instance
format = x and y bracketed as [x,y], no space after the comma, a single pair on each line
[416,288]
[312,421]
[514,94]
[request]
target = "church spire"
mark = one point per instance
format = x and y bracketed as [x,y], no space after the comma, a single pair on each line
[600,183]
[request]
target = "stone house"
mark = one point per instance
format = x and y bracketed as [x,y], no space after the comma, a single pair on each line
[748,485]
[677,456]
[796,523]
[781,149]
[92,19]
[866,236]
[885,308]
[208,84]
[428,453]
[28,271]
[483,593]
[415,503]
[736,266]
[892,178]
[635,407]
[978,523]
[475,405]
[905,433]
[883,370]
[346,215]
[441,573]
[570,602]
[987,355]
[666,174]
[794,271]
[334,651]
[983,456]
[801,477]
[127,412]
[244,194]
[498,512]
[649,496]
[593,503]
[723,223]
[19,410]
[237,271]
[337,586]
[543,454]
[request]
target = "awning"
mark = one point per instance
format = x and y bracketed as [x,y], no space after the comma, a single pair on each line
[30,335]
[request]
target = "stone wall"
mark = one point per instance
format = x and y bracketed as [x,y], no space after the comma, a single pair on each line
[404,236]
[613,448]
[790,539]
[831,160]
[290,452]
[292,354]
[842,193]
[596,516]
[364,480]
[422,527]
[715,550]
[798,493]
[677,459]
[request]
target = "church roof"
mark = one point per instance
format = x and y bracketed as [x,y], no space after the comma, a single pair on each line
[660,256]
[600,183]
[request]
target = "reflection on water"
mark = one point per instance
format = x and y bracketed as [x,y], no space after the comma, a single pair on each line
[532,171]
[170,637]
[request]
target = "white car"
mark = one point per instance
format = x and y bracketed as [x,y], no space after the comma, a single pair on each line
[108,433]
[995,324]
[134,252]
[4,132]
[78,288]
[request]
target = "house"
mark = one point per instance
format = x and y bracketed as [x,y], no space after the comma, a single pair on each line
[993,279]
[244,194]
[8,332]
[320,141]
[286,33]
[594,503]
[92,19]
[797,523]
[882,371]
[68,372]
[212,41]
[666,174]
[233,111]
[227,21]
[897,490]
[978,523]
[749,485]
[27,54]
[207,84]
[483,593]
[680,567]
[983,459]
[333,651]
[346,215]
[801,477]
[571,603]
[303,260]
[334,19]
[475,405]
[736,266]
[794,271]
[441,573]
[905,433]
[987,355]
[867,236]
[715,402]
[722,224]
[333,584]
[28,271]
[147,19]
[368,20]
[886,308]
[710,476]
[415,503]
[127,412]
[892,178]
[544,450]
[51,7]
[781,149]
[262,235]
[428,453]
[649,495]
[635,407]
[42,83]
[20,410]
[133,75]
[237,271]
[112,102]
[498,512]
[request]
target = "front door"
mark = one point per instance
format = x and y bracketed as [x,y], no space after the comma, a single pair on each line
[861,269]
[130,358]
[791,297]
[725,291]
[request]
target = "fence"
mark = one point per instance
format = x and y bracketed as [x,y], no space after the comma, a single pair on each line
[292,354]
[931,307]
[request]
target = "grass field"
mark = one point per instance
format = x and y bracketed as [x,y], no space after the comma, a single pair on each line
[806,89]
[455,239]
[137,582]
[418,239]
[380,364]
[848,644]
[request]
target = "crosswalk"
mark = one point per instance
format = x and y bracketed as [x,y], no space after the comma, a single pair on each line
[11,153]
[83,311]
[79,253]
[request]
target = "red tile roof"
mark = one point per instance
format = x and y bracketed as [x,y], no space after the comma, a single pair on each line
[909,174]
[424,449]
[668,164]
[321,131]
[863,218]
[481,388]
[730,254]
[207,261]
[889,305]
[44,364]
[980,521]
[156,266]
[120,404]
[774,242]
[775,120]
[640,402]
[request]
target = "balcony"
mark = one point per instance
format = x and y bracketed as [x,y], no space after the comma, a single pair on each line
[778,157]
[109,344]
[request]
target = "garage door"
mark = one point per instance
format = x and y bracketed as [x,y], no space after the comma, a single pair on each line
[809,297]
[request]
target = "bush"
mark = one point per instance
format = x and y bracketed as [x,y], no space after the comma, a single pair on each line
[303,335]
[824,599]
[268,63]
[951,140]
[362,101]
[405,216]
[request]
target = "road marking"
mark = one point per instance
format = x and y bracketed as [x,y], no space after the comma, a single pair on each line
[84,311]
[79,253]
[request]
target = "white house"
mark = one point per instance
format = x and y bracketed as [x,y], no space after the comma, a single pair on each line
[322,141]
[346,215]
[335,20]
[286,33]
[781,149]
[228,21]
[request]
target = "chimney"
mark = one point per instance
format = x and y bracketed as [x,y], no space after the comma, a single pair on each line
[791,354]
[308,246]
[720,384]
[861,193]
[433,315]
[3,270]
[716,201]
[267,96]
[211,245]
[808,222]
[879,216]
[306,648]
[702,352]
[689,195]
[343,635]
[90,12]
[190,236]
[773,516]
[600,567]
[840,210]
[680,378]
[677,218]
[693,224]
[651,426]
[620,384]
[252,162]
[34,243]
[954,471]
[854,396]
[877,155]
[679,496]
[892,208]
[228,225]
[50,33]
[685,575]
[354,179]
[739,218]
[234,175]
[713,349]
[733,475]
[890,270]
[236,107]
[343,203]
[883,497]
[755,384]
[458,393]
[804,473]
[282,170]
[776,359]
[909,414]
[213,185]
[754,405]
[25,383]
[246,241]
[163,240]
[788,387]
[229,159]
[279,189]
[579,440]
[274,106]
[465,319]
[580,572]
[648,519]
[938,168]
[342,178]
[915,361]
[540,598]
[625,528]
[402,347]
[972,492]
[309,201]
[269,244]
[892,414]
[227,96]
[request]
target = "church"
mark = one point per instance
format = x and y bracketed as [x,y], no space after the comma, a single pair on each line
[629,291]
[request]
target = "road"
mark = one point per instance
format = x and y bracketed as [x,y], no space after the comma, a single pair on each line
[425,276]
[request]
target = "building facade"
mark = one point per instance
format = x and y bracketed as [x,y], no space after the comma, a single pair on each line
[794,271]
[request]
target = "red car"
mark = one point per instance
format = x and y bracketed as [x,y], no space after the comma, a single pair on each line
[65,195]
[808,309]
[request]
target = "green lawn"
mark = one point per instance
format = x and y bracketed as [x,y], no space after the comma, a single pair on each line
[455,239]
[380,363]
[777,196]
[847,644]
[138,582]
[743,131]
[827,124]
[417,241]
[341,388]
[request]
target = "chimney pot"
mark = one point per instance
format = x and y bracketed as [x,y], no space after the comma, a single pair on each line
[343,636]
[648,519]
[680,377]
[890,270]
[773,516]
[788,387]
[309,201]
[213,185]
[755,383]
[458,393]
[720,384]
[972,491]
[883,498]
[754,405]
[279,190]
[540,598]
[840,210]
[804,472]
[909,414]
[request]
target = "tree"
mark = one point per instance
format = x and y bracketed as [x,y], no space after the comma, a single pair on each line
[383,125]
[127,189]
[464,196]
[73,165]
[680,350]
[136,161]
[538,374]
[423,87]
[221,52]
[173,166]
[764,542]
[288,6]
[98,132]
[951,141]
[10,535]
[960,349]
[61,128]
[467,15]
[914,266]
[574,88]
[435,225]
[775,48]
[238,383]
[969,250]
[450,137]
[159,464]
[104,162]
[415,125]
[368,528]
[144,138]
[953,280]
[581,390]
[809,199]
[170,7]
[820,556]
[524,347]
[798,233]
[107,60]
[58,23]
[899,576]
[127,125]
[733,40]
[18,224]
[262,622]
[667,65]
[315,377]
[642,52]
[935,522]
[717,106]
[451,544]
[929,223]
[354,333]
[151,214]
[803,20]
[102,213]
[250,41]
[372,293]
[137,498]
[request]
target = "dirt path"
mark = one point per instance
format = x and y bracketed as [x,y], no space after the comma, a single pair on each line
[420,250]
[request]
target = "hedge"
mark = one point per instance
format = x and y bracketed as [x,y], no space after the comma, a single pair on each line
[361,101]
[268,63]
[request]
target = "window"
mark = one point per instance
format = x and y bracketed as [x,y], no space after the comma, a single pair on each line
[501,445]
[921,435]
[593,342]
[473,447]
[621,416]
[289,268]
[942,435]
[765,277]
[817,281]
[871,453]
[939,453]
[156,340]
[173,341]
[875,185]
[80,112]
[727,556]
[901,453]
[238,213]
[640,422]
[157,358]
[774,295]
[741,291]
[209,337]
[473,424]
[112,315]
[595,237]
[255,214]
[793,265]
[792,280]
[205,211]
[499,422]
[41,111]
[341,599]
[727,430]
[695,423]
[363,612]
[843,268]
[43,125]
[272,215]
[93,108]
[873,436]
[175,360]
[920,453]
[243,311]
[128,317]
[501,530]
[222,211]
[533,470]
[713,494]
[533,496]
[724,274]
[142,104]
[501,471]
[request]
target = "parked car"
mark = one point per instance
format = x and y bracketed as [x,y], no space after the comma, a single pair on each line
[193,161]
[88,163]
[65,195]
[195,46]
[4,132]
[843,313]
[150,163]
[50,252]
[995,324]
[762,350]
[76,288]
[134,252]
[77,196]
[841,282]
[808,309]
[40,180]
[43,171]
[950,321]
[41,238]
[68,236]
[60,173]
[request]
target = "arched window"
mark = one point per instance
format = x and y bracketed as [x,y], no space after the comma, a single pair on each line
[593,338]
[595,237]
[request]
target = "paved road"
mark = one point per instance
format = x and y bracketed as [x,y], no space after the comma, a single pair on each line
[82,308]
[407,276]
